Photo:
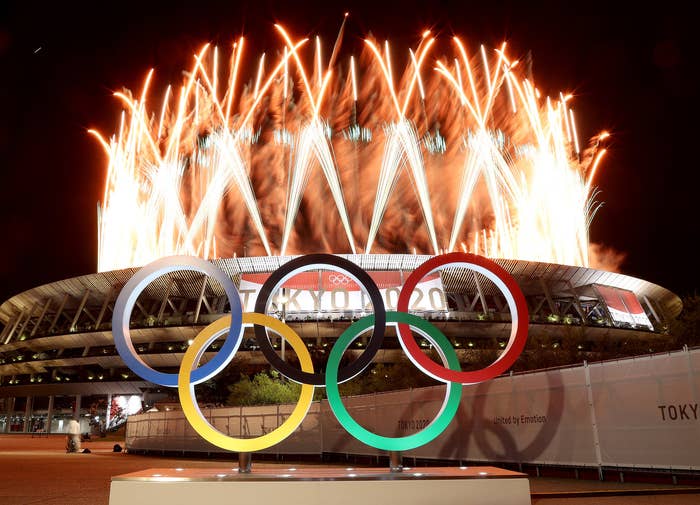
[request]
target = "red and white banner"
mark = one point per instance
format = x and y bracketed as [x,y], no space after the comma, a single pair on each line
[623,305]
[328,291]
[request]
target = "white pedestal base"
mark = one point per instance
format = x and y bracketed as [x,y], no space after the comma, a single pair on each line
[323,486]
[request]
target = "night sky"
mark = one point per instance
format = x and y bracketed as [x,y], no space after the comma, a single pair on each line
[633,73]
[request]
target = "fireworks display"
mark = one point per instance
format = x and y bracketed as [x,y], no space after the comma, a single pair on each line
[316,152]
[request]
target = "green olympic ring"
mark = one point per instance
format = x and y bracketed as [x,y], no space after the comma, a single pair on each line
[447,410]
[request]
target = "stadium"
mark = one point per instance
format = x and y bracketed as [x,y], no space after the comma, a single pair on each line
[58,355]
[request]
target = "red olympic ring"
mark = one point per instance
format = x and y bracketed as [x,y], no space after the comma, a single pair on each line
[516,302]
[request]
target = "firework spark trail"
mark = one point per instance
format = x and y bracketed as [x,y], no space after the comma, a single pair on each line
[227,166]
[491,166]
[401,144]
[156,211]
[551,203]
[313,140]
[485,157]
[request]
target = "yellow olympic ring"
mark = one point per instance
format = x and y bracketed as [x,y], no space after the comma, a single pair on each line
[189,403]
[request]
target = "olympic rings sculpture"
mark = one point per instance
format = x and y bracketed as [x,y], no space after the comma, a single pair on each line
[233,325]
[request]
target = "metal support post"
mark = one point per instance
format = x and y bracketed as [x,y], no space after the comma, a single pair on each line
[109,411]
[49,415]
[28,414]
[395,461]
[245,462]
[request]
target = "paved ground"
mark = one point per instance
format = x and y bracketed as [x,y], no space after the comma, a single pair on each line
[38,471]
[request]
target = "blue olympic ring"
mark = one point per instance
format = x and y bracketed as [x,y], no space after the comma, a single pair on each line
[127,299]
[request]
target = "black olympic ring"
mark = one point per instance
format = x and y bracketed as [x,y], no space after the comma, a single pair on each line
[313,262]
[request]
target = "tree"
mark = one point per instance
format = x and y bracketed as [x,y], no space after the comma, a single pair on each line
[685,329]
[263,389]
[268,388]
[117,416]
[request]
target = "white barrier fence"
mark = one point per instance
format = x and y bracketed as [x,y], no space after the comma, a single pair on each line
[639,412]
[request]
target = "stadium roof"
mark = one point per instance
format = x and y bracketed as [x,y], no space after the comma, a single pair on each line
[532,277]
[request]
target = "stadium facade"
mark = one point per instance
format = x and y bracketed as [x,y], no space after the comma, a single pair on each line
[58,359]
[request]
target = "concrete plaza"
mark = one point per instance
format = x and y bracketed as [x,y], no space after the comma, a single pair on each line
[37,470]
